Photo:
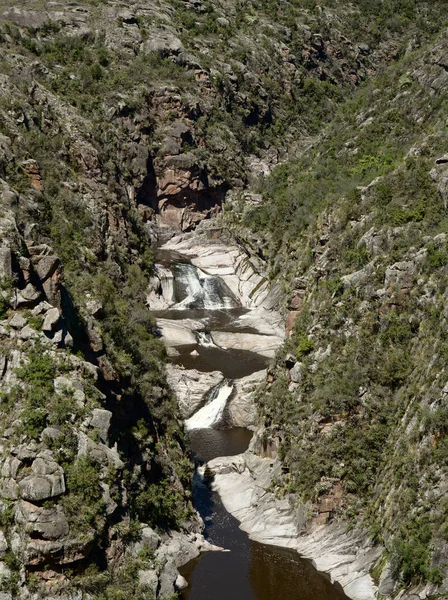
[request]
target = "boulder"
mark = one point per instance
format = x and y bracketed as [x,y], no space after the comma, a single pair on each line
[10,466]
[110,504]
[46,523]
[18,321]
[223,22]
[150,538]
[52,287]
[165,46]
[51,320]
[100,420]
[52,433]
[358,278]
[45,266]
[41,308]
[27,333]
[47,480]
[9,488]
[35,488]
[67,340]
[180,583]
[29,295]
[94,308]
[296,372]
[104,455]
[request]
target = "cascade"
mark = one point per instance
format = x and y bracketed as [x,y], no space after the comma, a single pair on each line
[195,289]
[205,340]
[211,414]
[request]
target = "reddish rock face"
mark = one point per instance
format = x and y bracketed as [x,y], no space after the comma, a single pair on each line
[328,505]
[31,168]
[290,321]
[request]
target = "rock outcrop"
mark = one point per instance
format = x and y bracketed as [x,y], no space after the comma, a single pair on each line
[241,270]
[242,406]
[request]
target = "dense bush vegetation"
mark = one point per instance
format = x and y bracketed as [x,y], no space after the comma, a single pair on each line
[368,409]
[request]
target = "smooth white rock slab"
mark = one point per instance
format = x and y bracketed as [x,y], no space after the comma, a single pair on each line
[190,387]
[243,484]
[179,333]
[242,409]
[266,345]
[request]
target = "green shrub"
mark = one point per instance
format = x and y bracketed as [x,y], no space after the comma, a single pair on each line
[394,369]
[83,502]
[436,257]
[38,375]
[410,555]
[4,305]
[304,347]
[160,504]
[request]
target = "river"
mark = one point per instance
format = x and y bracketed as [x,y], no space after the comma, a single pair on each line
[247,570]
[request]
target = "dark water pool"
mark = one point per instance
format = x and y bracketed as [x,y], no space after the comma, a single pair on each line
[250,571]
[233,364]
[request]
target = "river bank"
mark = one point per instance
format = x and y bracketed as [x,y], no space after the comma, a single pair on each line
[244,483]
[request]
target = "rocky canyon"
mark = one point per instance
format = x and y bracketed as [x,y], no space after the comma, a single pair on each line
[223,318]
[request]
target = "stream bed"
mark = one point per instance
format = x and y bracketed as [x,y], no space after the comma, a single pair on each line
[250,571]
[247,570]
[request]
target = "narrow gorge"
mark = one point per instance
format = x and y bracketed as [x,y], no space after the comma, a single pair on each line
[223,299]
[219,318]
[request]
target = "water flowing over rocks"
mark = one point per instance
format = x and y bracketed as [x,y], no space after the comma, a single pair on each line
[191,387]
[202,273]
[212,297]
[116,120]
[240,272]
[212,412]
[217,274]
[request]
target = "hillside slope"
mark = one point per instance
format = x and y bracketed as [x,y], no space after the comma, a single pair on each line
[119,119]
[356,405]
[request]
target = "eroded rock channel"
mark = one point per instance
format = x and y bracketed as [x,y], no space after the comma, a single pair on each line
[217,316]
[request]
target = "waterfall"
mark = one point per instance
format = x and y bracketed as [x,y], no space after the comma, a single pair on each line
[205,340]
[196,289]
[211,414]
